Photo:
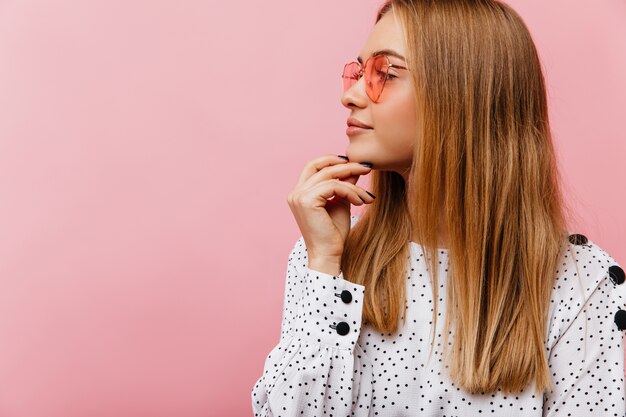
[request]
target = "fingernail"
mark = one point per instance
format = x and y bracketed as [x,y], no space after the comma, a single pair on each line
[372,195]
[344,157]
[366,164]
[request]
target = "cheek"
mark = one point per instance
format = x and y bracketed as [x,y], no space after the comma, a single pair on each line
[396,122]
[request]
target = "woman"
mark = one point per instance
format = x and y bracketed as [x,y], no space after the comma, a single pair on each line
[460,291]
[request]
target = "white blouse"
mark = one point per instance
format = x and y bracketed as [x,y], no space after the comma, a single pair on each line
[326,364]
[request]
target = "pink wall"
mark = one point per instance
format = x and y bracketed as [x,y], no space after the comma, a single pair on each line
[146,152]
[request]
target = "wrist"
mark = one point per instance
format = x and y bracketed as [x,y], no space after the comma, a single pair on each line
[331,266]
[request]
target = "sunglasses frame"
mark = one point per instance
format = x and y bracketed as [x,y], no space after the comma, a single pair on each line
[362,72]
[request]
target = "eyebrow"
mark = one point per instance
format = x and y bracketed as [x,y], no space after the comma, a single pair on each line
[385,52]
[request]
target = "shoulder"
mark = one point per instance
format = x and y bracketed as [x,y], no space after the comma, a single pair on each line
[585,275]
[590,265]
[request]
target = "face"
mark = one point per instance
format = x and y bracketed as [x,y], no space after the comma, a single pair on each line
[389,144]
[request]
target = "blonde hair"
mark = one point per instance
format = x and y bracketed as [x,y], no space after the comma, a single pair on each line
[484,156]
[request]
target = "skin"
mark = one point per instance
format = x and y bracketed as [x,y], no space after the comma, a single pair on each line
[389,145]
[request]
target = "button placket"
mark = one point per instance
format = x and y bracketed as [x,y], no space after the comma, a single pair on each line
[342,328]
[620,319]
[616,274]
[577,239]
[346,296]
[330,302]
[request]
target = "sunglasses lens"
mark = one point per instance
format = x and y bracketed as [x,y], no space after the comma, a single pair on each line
[375,76]
[350,75]
[375,73]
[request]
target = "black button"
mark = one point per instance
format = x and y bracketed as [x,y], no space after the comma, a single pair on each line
[346,296]
[577,239]
[343,328]
[620,319]
[617,274]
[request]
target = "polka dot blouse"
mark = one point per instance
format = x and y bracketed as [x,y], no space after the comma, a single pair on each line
[326,364]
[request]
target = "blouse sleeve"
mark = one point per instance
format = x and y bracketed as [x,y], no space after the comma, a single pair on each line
[587,369]
[317,367]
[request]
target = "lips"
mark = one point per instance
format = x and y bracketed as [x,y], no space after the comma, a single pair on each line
[355,122]
[355,130]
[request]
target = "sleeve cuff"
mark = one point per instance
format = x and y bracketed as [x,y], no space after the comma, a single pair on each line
[331,310]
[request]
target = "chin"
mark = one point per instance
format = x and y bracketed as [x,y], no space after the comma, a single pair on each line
[360,151]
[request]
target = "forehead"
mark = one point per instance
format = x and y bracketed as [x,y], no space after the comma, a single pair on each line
[387,33]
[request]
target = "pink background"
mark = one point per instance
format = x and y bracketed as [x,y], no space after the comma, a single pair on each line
[146,152]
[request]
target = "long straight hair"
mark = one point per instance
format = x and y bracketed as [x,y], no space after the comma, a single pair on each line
[484,159]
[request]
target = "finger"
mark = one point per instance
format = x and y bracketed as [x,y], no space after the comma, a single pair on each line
[339,171]
[351,179]
[318,164]
[346,191]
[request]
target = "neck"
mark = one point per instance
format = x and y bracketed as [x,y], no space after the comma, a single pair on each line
[442,235]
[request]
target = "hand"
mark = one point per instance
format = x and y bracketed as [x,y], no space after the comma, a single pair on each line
[320,203]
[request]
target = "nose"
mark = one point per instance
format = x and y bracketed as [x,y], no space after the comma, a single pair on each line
[355,95]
